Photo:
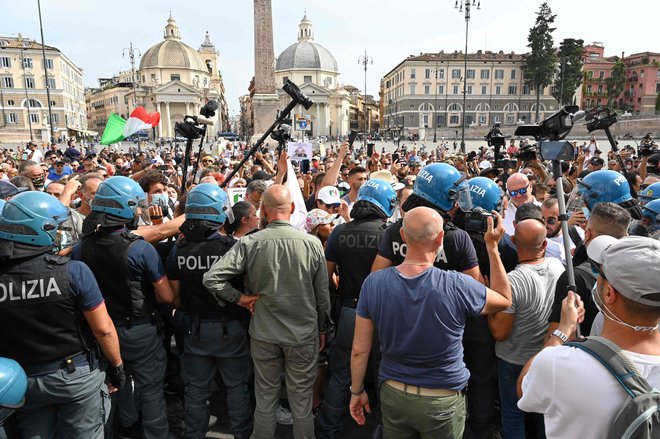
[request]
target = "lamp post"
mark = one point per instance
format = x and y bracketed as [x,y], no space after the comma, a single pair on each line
[365,60]
[130,50]
[561,83]
[435,103]
[43,55]
[467,6]
[19,39]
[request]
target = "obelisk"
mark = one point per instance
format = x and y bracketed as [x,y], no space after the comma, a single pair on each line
[264,101]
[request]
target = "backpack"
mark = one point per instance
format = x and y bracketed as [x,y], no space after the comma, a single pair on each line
[639,417]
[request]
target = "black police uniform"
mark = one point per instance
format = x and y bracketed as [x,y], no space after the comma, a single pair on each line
[215,337]
[131,303]
[54,346]
[353,247]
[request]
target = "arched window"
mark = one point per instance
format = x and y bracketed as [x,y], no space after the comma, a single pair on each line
[455,107]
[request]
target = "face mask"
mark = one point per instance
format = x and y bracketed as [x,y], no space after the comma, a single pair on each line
[38,182]
[159,200]
[610,315]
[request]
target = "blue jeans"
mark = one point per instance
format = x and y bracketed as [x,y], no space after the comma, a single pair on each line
[337,394]
[513,419]
[65,405]
[209,351]
[144,355]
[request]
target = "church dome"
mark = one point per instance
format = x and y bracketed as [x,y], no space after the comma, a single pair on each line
[306,53]
[172,52]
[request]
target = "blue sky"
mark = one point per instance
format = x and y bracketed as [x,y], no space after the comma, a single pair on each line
[93,33]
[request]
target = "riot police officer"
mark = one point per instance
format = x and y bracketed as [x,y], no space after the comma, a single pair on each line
[54,303]
[216,338]
[351,249]
[443,188]
[129,270]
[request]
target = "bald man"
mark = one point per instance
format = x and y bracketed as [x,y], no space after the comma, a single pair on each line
[421,375]
[519,331]
[287,293]
[519,192]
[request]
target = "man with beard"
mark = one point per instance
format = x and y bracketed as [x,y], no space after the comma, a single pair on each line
[555,249]
[356,178]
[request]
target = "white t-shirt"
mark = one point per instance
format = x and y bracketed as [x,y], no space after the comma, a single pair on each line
[555,248]
[576,394]
[510,215]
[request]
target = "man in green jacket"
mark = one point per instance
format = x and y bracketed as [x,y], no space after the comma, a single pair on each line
[287,293]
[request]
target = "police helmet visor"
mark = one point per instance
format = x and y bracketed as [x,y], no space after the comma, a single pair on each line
[226,208]
[142,212]
[461,193]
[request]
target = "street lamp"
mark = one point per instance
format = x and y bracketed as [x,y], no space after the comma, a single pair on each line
[564,63]
[19,39]
[43,55]
[365,60]
[435,104]
[468,4]
[131,55]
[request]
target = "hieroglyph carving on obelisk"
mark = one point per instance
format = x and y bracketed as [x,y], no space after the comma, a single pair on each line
[264,54]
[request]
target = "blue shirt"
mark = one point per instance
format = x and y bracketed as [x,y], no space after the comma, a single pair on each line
[420,322]
[83,285]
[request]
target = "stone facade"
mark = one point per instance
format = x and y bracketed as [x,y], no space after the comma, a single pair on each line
[425,92]
[21,73]
[263,96]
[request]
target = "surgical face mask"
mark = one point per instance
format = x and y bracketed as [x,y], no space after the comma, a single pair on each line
[598,301]
[159,199]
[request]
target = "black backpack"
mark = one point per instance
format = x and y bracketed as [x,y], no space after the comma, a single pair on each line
[639,417]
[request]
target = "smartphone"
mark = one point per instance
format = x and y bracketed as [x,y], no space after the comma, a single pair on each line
[370,149]
[351,138]
[163,168]
[304,166]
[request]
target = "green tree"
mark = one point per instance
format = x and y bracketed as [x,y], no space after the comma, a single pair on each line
[615,83]
[539,64]
[570,70]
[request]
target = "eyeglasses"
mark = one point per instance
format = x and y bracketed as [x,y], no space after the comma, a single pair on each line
[521,191]
[596,270]
[552,220]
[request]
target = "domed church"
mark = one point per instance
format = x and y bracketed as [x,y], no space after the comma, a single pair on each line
[314,69]
[175,79]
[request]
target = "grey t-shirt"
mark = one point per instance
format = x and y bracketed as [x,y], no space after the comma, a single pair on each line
[532,294]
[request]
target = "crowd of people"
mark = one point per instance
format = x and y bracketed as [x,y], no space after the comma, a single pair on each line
[422,292]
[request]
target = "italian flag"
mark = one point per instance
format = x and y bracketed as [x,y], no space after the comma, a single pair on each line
[118,129]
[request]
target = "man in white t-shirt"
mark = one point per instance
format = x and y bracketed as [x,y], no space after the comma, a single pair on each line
[576,394]
[555,249]
[519,191]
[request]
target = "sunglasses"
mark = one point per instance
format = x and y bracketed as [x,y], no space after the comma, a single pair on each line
[522,191]
[207,161]
[552,220]
[596,270]
[333,206]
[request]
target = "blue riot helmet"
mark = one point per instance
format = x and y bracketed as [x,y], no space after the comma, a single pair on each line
[604,186]
[652,192]
[379,193]
[207,201]
[652,211]
[2,205]
[33,218]
[485,193]
[443,186]
[121,197]
[13,384]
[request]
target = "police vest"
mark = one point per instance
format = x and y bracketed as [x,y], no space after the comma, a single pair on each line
[357,247]
[39,319]
[127,296]
[442,260]
[193,259]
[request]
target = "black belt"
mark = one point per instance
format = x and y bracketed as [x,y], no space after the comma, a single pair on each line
[70,362]
[349,302]
[133,321]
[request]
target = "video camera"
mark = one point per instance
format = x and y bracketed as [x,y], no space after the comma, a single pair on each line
[550,131]
[495,136]
[192,127]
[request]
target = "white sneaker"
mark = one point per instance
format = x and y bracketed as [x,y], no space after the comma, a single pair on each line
[283,416]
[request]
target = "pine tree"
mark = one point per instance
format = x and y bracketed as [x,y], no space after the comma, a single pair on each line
[570,70]
[615,83]
[539,66]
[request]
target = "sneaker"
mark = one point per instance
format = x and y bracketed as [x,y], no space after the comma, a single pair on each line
[283,416]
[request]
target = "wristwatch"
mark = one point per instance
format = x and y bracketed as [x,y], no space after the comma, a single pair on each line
[560,335]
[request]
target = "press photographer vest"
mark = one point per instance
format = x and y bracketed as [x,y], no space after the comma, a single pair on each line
[357,247]
[193,259]
[127,296]
[39,318]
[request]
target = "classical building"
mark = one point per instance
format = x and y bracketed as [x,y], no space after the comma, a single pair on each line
[596,68]
[23,96]
[175,79]
[110,97]
[314,70]
[425,92]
